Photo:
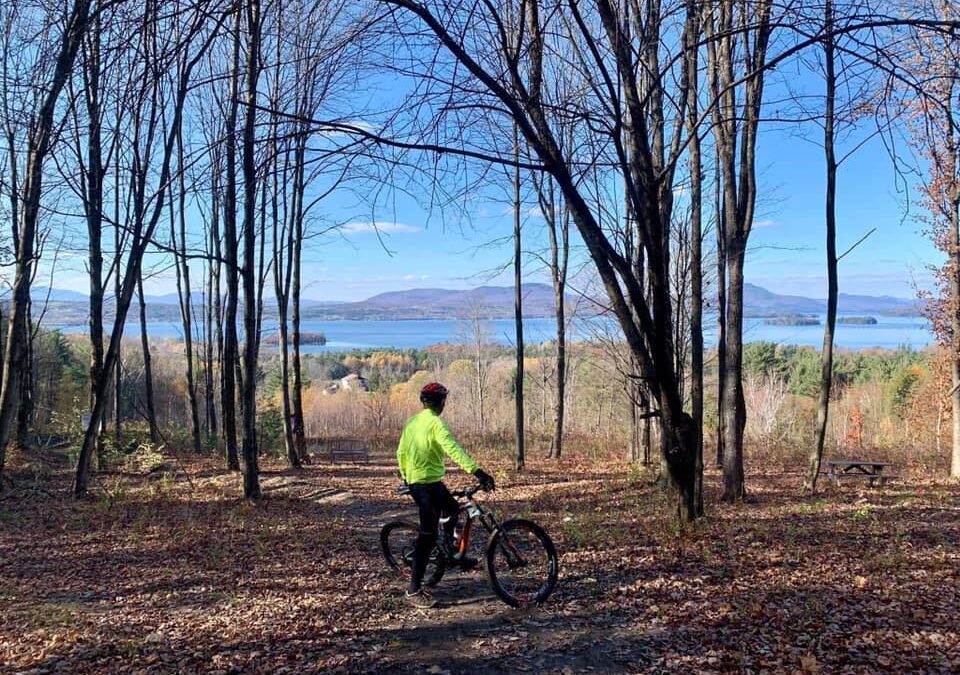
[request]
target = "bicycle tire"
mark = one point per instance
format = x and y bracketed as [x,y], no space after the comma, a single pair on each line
[397,539]
[542,580]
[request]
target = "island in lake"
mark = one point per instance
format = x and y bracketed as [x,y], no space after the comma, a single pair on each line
[305,339]
[793,320]
[857,320]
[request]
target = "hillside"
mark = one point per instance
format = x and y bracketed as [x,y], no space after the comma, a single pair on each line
[69,308]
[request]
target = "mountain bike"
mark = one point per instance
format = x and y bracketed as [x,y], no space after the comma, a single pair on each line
[520,557]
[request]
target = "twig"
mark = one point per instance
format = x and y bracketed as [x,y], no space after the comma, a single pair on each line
[857,243]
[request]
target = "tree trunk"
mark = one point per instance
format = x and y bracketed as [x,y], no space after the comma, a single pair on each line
[282,267]
[118,362]
[692,37]
[210,317]
[518,309]
[736,122]
[185,295]
[296,396]
[93,207]
[147,366]
[721,316]
[251,473]
[826,356]
[228,390]
[734,407]
[25,407]
[559,258]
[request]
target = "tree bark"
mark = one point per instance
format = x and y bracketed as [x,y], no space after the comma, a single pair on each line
[518,310]
[282,278]
[736,122]
[211,317]
[693,34]
[734,407]
[117,369]
[826,356]
[721,315]
[559,257]
[228,390]
[251,469]
[298,228]
[184,293]
[147,365]
[25,406]
[93,207]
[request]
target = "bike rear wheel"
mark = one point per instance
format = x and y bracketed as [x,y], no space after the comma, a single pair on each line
[522,563]
[397,542]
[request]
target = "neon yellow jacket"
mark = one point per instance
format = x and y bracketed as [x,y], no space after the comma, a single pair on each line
[424,441]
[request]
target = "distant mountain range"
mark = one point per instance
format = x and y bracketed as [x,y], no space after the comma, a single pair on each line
[759,302]
[67,307]
[489,302]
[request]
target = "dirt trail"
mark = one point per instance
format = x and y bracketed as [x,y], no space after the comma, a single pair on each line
[164,574]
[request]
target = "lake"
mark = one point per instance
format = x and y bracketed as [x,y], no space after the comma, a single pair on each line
[888,333]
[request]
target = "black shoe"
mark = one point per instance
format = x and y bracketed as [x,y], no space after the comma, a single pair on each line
[421,599]
[465,563]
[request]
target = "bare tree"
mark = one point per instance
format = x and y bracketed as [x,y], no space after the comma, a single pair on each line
[188,33]
[228,369]
[557,219]
[151,409]
[180,247]
[739,35]
[826,356]
[248,272]
[40,139]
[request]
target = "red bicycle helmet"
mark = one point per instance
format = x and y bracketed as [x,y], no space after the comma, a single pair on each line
[434,390]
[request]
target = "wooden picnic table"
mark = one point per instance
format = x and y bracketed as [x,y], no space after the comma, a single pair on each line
[339,449]
[868,469]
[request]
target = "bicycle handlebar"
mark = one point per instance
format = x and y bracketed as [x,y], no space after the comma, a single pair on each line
[466,494]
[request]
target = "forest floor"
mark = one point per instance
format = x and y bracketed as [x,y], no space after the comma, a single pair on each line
[176,573]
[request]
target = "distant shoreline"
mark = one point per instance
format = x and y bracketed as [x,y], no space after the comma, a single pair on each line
[354,334]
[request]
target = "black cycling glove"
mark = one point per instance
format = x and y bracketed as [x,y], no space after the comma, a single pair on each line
[486,480]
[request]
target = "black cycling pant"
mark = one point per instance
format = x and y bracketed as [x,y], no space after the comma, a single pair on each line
[434,502]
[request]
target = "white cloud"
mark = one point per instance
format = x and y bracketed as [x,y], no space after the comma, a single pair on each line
[765,223]
[384,227]
[416,277]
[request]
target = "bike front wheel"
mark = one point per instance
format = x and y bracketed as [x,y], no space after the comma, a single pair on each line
[522,563]
[398,539]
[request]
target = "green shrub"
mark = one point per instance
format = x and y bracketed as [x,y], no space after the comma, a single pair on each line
[763,358]
[144,459]
[900,388]
[270,429]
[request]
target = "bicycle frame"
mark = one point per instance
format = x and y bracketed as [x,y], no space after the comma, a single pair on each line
[476,512]
[473,512]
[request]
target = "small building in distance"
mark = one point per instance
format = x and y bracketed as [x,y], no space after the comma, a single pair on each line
[353,382]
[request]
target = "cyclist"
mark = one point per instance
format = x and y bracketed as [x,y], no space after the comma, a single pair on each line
[423,443]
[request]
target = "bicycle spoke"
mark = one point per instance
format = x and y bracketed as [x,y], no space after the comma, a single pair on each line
[398,542]
[522,565]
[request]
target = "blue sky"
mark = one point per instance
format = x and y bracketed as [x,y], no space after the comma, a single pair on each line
[416,249]
[787,247]
[413,248]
